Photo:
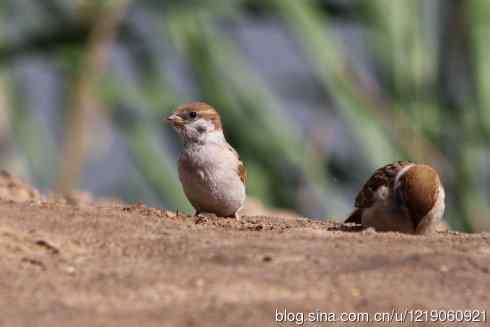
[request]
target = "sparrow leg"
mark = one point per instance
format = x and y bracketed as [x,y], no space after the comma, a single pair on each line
[236,215]
[203,215]
[200,217]
[426,227]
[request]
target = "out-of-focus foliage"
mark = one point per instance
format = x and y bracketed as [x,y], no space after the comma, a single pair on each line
[314,94]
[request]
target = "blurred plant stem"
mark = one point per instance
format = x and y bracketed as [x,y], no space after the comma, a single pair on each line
[371,114]
[85,103]
[7,156]
[139,107]
[248,108]
[35,154]
[140,125]
[479,11]
[156,167]
[459,97]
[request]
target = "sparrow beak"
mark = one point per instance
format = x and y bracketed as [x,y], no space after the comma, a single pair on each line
[175,120]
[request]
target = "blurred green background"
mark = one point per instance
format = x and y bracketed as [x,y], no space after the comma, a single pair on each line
[314,94]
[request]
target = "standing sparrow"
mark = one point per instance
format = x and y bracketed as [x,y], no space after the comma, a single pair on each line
[402,196]
[211,173]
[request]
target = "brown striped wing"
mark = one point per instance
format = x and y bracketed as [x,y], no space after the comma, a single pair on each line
[242,171]
[384,176]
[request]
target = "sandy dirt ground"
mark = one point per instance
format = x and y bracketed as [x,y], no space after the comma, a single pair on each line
[73,261]
[117,265]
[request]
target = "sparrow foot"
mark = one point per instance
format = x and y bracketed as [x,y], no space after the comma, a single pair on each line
[236,216]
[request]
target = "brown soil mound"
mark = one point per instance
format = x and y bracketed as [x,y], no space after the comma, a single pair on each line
[111,265]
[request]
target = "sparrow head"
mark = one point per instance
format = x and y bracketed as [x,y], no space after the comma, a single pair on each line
[418,190]
[195,121]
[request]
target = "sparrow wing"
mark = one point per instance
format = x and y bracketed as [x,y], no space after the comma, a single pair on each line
[242,172]
[384,176]
[419,191]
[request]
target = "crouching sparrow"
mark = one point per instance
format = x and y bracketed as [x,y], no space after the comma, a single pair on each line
[402,196]
[211,173]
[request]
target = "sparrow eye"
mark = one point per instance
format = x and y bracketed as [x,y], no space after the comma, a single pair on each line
[193,114]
